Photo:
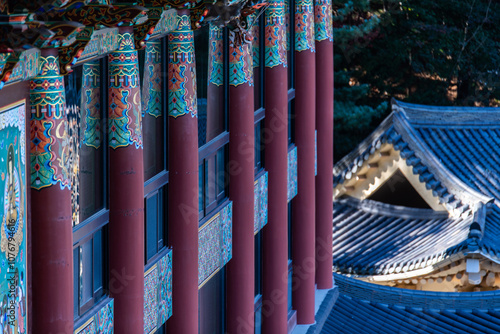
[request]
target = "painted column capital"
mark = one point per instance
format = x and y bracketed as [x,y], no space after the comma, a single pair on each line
[182,69]
[49,127]
[323,20]
[124,94]
[240,62]
[91,108]
[304,25]
[216,64]
[152,81]
[275,35]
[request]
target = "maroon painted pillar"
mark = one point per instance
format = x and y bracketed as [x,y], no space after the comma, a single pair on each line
[183,176]
[52,243]
[324,127]
[241,269]
[126,187]
[303,227]
[275,240]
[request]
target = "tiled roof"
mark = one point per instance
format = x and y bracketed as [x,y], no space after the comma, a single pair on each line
[372,238]
[369,308]
[466,141]
[458,167]
[456,153]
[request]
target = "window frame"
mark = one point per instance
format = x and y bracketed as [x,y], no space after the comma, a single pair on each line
[161,238]
[160,181]
[101,293]
[209,150]
[87,229]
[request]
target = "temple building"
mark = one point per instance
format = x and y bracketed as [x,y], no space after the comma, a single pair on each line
[416,227]
[166,165]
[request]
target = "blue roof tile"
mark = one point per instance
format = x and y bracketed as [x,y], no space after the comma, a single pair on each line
[456,153]
[368,308]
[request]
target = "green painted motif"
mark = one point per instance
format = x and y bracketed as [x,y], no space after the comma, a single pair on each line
[275,42]
[25,67]
[13,270]
[151,88]
[124,95]
[240,65]
[91,104]
[166,24]
[304,25]
[287,24]
[47,90]
[255,39]
[323,20]
[49,127]
[102,41]
[216,65]
[181,70]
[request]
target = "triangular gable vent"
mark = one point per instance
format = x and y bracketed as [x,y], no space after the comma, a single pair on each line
[386,177]
[397,190]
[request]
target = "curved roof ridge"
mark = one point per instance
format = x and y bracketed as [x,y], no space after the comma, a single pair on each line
[416,298]
[374,140]
[436,116]
[452,183]
[391,210]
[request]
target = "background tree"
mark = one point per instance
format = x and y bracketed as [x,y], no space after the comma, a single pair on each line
[436,52]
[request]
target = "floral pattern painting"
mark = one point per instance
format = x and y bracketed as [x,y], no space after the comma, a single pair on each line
[260,202]
[158,293]
[215,243]
[292,173]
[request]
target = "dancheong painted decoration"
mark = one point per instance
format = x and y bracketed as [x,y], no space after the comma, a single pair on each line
[13,315]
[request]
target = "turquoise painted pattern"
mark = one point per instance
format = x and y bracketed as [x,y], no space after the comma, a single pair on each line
[158,293]
[260,202]
[240,65]
[292,174]
[151,88]
[124,95]
[215,240]
[226,219]
[323,20]
[13,230]
[216,60]
[304,26]
[275,35]
[91,104]
[182,70]
[100,323]
[256,40]
[49,127]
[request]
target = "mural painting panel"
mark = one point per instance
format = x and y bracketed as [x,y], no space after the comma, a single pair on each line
[13,307]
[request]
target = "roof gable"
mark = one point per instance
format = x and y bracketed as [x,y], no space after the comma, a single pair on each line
[452,189]
[383,165]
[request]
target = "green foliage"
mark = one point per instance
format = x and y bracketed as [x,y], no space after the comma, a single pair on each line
[437,52]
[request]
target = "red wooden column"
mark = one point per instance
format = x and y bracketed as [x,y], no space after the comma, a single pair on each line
[241,269]
[52,242]
[303,227]
[324,127]
[126,187]
[275,240]
[183,176]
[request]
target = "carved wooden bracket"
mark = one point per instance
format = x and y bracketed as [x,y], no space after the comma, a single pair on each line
[93,15]
[12,61]
[68,55]
[18,37]
[144,30]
